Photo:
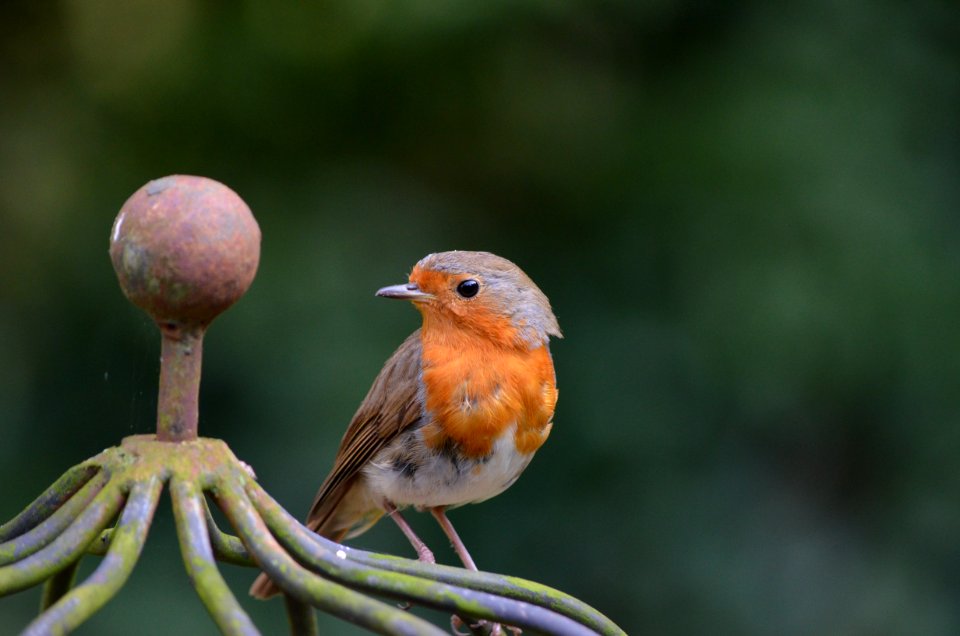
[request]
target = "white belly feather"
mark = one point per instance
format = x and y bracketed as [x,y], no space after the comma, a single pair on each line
[408,474]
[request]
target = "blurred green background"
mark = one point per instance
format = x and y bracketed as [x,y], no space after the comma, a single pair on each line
[745,215]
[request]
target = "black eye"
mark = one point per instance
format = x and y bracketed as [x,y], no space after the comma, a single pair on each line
[468,288]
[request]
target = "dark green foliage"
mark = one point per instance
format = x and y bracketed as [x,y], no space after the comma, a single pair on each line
[744,214]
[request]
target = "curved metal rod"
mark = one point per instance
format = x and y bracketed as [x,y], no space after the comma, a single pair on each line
[302,617]
[482,605]
[101,586]
[48,501]
[66,548]
[508,586]
[100,545]
[58,585]
[201,567]
[226,547]
[303,584]
[41,535]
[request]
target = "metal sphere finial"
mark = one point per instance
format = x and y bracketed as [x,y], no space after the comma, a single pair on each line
[185,249]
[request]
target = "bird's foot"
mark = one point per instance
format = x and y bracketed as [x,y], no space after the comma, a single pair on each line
[424,554]
[455,624]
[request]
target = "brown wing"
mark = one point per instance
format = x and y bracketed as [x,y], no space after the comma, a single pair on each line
[392,405]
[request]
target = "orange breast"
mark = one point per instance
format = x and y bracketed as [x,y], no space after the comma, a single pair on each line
[475,390]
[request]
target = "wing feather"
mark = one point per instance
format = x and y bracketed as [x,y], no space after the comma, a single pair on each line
[392,405]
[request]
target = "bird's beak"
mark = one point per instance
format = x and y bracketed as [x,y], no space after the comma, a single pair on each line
[405,291]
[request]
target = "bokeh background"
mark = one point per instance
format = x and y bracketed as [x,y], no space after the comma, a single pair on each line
[744,213]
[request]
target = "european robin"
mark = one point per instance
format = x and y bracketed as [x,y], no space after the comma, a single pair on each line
[456,413]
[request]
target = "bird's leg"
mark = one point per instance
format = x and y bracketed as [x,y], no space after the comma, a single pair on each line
[423,552]
[440,514]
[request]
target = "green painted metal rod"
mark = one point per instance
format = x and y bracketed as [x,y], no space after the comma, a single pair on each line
[301,617]
[101,544]
[505,586]
[304,585]
[200,563]
[508,586]
[229,549]
[66,548]
[58,585]
[226,547]
[50,528]
[334,564]
[48,502]
[101,586]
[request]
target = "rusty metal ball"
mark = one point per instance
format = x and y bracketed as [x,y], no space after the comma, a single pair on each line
[184,248]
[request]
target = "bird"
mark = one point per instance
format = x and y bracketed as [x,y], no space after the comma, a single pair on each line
[457,412]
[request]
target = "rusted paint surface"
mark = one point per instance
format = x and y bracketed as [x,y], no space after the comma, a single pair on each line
[178,409]
[203,460]
[185,248]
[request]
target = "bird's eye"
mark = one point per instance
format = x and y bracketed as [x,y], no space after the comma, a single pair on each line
[468,288]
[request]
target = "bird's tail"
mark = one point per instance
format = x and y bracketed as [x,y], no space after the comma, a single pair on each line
[264,587]
[335,518]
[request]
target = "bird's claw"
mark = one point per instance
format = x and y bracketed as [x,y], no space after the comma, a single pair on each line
[455,624]
[425,555]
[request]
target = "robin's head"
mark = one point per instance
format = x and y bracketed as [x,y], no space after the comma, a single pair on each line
[481,292]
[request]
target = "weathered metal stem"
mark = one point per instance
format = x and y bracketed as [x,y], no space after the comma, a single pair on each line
[181,357]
